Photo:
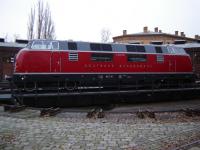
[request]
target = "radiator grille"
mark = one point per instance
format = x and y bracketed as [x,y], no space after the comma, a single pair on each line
[73,56]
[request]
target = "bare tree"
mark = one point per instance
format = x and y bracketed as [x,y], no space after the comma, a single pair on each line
[31,22]
[40,19]
[44,27]
[48,31]
[105,35]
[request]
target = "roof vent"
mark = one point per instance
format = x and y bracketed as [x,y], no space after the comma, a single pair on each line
[176,33]
[156,29]
[197,37]
[124,32]
[182,34]
[145,29]
[21,41]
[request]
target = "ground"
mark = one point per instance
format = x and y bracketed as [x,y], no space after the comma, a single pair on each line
[72,130]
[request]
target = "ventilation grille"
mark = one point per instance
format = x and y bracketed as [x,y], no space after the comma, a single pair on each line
[73,56]
[160,58]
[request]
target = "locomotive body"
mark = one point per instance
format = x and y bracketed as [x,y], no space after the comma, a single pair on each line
[74,65]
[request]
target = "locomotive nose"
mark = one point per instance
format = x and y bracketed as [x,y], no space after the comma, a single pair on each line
[19,62]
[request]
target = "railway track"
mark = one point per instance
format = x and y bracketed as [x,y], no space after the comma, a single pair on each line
[191,145]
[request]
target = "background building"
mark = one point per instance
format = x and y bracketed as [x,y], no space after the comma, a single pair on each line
[154,37]
[8,50]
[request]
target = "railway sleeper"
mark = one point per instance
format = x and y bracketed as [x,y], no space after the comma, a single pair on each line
[14,108]
[191,112]
[96,113]
[50,111]
[145,114]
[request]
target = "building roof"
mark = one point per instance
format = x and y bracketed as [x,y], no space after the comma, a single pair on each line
[11,44]
[151,33]
[189,45]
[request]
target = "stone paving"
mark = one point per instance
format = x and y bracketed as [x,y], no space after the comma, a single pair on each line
[26,130]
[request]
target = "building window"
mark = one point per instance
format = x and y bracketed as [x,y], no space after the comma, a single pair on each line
[8,59]
[101,57]
[136,58]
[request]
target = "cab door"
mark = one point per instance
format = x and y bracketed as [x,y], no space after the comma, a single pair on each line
[172,64]
[172,60]
[55,58]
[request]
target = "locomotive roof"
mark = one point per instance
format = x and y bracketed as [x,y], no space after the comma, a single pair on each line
[118,47]
[97,42]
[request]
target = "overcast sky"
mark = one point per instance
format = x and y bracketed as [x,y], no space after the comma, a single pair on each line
[84,19]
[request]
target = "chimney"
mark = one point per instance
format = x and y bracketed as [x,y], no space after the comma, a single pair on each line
[156,29]
[176,33]
[145,29]
[182,34]
[160,31]
[124,32]
[196,37]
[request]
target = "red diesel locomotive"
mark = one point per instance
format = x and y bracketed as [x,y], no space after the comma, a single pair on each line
[78,65]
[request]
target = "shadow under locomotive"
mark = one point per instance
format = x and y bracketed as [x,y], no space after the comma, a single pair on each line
[101,90]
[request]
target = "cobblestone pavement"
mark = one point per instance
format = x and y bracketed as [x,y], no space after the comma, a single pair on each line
[72,130]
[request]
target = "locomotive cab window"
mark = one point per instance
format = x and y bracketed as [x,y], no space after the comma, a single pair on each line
[55,45]
[136,58]
[72,46]
[44,45]
[63,45]
[101,57]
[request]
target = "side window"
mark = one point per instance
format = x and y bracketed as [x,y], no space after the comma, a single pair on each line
[135,48]
[106,47]
[95,47]
[179,50]
[63,45]
[100,47]
[131,48]
[101,57]
[119,47]
[72,46]
[140,48]
[83,46]
[165,50]
[171,50]
[158,49]
[136,58]
[150,49]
